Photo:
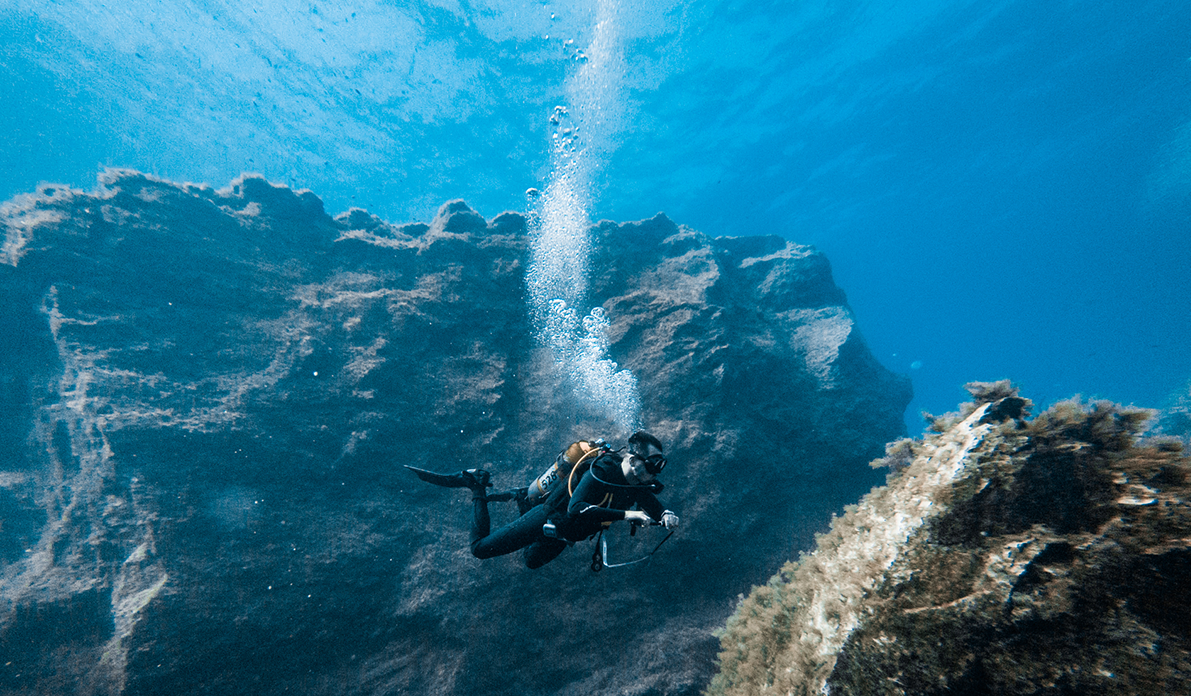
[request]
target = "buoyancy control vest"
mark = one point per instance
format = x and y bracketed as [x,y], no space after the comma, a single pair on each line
[579,455]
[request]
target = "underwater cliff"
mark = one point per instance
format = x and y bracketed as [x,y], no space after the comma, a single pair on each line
[1005,555]
[207,396]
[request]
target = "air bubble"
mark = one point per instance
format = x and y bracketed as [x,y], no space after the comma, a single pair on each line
[560,244]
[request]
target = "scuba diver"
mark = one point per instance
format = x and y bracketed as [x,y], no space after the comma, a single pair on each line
[587,488]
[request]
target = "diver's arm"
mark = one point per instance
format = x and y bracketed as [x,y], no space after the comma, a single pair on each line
[650,504]
[583,502]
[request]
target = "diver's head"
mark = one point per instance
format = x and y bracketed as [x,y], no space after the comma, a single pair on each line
[644,460]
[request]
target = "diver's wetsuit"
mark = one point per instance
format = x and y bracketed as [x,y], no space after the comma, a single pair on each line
[602,496]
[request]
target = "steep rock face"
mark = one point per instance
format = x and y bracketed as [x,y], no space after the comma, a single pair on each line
[207,396]
[1002,557]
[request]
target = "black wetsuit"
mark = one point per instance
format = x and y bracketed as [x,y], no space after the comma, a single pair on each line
[601,497]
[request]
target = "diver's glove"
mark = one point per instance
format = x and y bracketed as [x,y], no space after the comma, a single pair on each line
[637,516]
[669,520]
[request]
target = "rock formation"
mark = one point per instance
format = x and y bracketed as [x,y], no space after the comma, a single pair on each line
[1005,556]
[207,396]
[1175,419]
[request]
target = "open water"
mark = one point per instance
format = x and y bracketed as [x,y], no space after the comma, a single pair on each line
[1003,188]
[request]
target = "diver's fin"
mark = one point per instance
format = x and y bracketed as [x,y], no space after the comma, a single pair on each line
[472,478]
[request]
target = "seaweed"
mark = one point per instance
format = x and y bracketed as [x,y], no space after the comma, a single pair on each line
[1004,555]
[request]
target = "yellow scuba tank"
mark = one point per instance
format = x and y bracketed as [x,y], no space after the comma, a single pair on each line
[558,472]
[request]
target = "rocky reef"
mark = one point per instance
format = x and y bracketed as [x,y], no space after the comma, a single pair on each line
[207,396]
[1004,556]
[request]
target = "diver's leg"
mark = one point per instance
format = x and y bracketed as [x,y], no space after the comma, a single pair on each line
[543,551]
[521,495]
[518,534]
[480,522]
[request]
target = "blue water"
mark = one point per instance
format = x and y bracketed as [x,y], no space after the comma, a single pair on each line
[1004,189]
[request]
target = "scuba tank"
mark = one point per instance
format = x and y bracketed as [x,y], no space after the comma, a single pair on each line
[558,472]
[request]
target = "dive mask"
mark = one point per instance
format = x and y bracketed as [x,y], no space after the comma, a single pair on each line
[654,464]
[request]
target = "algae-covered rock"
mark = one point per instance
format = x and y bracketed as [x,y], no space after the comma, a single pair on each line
[207,396]
[1007,557]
